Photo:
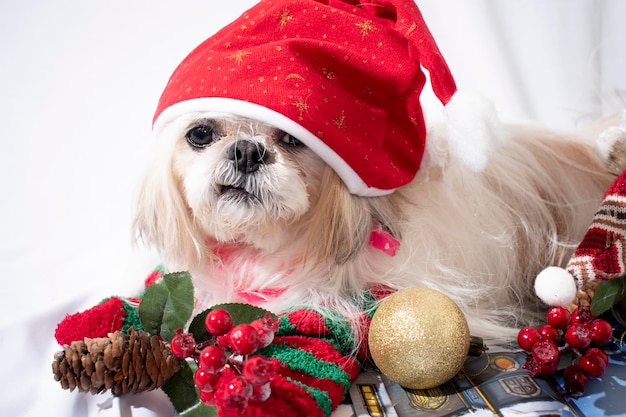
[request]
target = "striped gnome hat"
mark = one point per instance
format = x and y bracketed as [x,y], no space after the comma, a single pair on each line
[343,76]
[599,257]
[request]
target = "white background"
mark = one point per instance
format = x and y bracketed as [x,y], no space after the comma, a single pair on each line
[79,81]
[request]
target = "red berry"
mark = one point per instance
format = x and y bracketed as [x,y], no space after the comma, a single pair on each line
[183,345]
[540,369]
[266,336]
[599,352]
[244,339]
[205,380]
[527,337]
[223,341]
[582,314]
[592,365]
[548,369]
[234,393]
[532,366]
[578,336]
[258,370]
[548,332]
[261,392]
[601,331]
[218,322]
[212,359]
[574,379]
[558,317]
[207,397]
[546,352]
[270,323]
[266,327]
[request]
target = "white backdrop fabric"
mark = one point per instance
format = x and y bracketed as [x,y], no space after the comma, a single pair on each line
[79,82]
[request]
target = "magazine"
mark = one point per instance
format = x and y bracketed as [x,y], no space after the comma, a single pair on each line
[492,384]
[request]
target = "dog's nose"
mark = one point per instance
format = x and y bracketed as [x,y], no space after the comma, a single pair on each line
[248,156]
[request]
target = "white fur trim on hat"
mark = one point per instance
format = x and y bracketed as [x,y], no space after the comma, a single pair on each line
[555,286]
[254,111]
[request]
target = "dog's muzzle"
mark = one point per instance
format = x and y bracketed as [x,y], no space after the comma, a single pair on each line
[248,156]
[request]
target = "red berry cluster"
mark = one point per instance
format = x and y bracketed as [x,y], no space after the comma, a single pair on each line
[577,331]
[227,372]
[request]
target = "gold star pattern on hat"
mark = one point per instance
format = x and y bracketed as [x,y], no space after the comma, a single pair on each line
[239,56]
[366,27]
[284,17]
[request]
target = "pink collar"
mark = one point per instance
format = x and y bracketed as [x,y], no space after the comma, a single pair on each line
[379,239]
[383,241]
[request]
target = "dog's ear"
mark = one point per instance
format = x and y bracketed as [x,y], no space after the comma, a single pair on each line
[163,218]
[340,225]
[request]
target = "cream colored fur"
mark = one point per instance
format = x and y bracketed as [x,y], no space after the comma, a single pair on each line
[479,237]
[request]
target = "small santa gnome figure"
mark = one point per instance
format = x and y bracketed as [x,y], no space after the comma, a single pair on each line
[599,257]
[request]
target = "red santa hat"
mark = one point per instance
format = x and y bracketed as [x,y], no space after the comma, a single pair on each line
[343,76]
[600,255]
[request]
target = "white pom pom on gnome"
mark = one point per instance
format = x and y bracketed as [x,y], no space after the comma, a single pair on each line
[555,286]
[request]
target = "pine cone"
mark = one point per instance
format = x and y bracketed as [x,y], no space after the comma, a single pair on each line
[122,363]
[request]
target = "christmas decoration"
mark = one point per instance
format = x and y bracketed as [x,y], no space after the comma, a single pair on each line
[581,333]
[124,364]
[227,374]
[598,264]
[235,359]
[419,338]
[113,313]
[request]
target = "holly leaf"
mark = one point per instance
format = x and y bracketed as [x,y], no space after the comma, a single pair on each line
[167,305]
[241,313]
[607,294]
[184,396]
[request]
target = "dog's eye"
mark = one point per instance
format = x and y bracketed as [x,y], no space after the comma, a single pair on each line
[201,136]
[290,140]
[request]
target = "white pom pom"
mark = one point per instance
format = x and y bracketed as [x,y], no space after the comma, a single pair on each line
[473,129]
[555,286]
[605,143]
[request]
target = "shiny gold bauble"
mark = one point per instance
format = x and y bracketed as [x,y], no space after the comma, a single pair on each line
[419,338]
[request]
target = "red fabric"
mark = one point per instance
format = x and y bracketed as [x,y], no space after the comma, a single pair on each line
[601,254]
[98,321]
[153,277]
[287,400]
[597,244]
[380,291]
[618,186]
[348,71]
[308,322]
[322,350]
[336,392]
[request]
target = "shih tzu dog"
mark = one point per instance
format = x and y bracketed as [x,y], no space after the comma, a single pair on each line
[259,139]
[257,216]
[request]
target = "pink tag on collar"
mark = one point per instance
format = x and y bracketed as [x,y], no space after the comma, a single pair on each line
[383,241]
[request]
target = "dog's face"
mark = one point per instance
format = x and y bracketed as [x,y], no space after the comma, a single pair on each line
[244,181]
[218,179]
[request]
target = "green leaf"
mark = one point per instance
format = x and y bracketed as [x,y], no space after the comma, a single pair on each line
[167,305]
[607,294]
[184,396]
[241,313]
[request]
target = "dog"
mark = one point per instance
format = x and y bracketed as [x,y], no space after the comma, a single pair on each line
[258,217]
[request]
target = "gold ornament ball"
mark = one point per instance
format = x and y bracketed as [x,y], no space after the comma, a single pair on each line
[419,338]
